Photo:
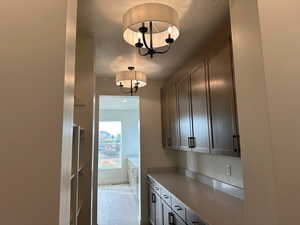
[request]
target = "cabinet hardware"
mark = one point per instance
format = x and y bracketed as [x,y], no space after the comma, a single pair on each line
[171,218]
[177,207]
[236,143]
[191,142]
[153,198]
[169,141]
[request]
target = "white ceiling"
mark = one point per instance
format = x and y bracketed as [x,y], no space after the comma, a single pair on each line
[102,19]
[119,103]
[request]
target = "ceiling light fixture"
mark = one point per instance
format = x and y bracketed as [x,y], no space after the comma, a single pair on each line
[151,26]
[131,80]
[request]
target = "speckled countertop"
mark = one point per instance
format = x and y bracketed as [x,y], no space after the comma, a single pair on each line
[213,206]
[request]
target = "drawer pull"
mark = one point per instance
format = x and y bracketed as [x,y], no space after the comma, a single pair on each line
[171,218]
[153,198]
[177,207]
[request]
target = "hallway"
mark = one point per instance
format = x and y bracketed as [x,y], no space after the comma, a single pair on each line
[117,205]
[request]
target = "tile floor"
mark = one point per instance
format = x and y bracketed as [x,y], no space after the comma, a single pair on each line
[117,205]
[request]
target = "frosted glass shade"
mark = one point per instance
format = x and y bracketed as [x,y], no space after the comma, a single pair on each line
[125,78]
[164,18]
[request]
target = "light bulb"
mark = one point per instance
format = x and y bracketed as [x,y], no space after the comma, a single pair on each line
[170,30]
[139,35]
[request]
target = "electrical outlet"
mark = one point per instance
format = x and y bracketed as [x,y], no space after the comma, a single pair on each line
[228,170]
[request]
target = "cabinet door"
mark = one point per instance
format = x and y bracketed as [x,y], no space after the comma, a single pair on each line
[169,217]
[200,117]
[173,116]
[152,206]
[184,111]
[167,214]
[222,104]
[158,211]
[178,220]
[164,115]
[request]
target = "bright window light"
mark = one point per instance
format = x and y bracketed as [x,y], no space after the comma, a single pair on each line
[110,142]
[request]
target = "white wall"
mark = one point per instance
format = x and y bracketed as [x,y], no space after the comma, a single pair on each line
[213,166]
[130,143]
[152,152]
[252,104]
[37,63]
[280,35]
[266,51]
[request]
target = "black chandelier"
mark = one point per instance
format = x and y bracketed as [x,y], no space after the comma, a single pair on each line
[129,81]
[149,47]
[151,27]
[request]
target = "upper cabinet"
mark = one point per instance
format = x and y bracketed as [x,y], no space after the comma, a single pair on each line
[199,111]
[223,119]
[184,112]
[170,117]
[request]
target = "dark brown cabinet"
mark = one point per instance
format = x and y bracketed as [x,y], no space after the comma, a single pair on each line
[200,110]
[184,112]
[224,133]
[170,117]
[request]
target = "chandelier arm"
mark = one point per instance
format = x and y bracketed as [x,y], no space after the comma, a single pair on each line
[151,32]
[165,51]
[143,54]
[144,40]
[123,91]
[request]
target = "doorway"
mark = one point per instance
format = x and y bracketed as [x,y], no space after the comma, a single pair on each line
[118,160]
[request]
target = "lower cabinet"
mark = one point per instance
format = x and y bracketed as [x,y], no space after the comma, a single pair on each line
[155,208]
[170,217]
[166,209]
[152,206]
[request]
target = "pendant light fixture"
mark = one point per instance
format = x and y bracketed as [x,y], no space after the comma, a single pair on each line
[151,28]
[130,81]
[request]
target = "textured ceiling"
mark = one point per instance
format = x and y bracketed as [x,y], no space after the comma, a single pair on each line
[102,19]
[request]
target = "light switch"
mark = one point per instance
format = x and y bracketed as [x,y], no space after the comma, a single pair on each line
[228,170]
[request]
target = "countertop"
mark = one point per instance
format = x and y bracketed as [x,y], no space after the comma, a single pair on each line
[213,206]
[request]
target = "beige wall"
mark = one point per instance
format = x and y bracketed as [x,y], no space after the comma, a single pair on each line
[253,114]
[152,153]
[37,60]
[213,166]
[280,34]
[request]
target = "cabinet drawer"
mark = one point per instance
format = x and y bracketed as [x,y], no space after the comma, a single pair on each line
[193,218]
[165,195]
[156,187]
[178,207]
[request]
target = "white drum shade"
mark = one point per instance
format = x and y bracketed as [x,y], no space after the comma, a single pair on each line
[165,21]
[126,77]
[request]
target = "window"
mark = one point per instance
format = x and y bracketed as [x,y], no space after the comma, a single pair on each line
[110,138]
